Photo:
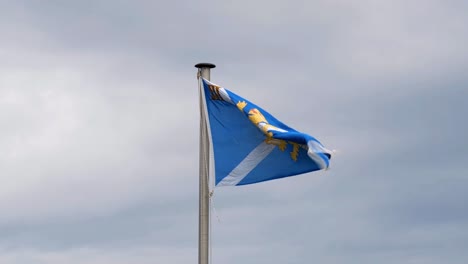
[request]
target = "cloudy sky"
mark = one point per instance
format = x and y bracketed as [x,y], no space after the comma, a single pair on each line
[99,130]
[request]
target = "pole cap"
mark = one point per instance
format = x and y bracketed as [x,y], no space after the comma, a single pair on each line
[205,65]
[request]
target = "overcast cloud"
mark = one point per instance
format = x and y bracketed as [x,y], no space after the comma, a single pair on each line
[99,130]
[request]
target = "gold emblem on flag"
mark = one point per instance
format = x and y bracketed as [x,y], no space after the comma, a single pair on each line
[257,118]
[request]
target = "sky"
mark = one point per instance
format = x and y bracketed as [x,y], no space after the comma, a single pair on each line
[99,130]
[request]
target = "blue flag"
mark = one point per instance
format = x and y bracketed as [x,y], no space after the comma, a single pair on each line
[249,145]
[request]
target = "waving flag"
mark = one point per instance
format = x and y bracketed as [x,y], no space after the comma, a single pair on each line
[250,145]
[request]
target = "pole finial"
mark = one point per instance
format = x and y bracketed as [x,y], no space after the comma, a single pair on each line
[205,65]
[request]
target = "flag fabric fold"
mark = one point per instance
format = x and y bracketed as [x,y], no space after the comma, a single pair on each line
[249,145]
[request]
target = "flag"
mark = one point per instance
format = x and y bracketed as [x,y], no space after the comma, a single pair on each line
[249,145]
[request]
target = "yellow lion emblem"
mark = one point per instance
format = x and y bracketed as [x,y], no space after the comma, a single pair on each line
[257,118]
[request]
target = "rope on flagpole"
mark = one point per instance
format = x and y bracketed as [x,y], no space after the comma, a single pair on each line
[211,230]
[213,207]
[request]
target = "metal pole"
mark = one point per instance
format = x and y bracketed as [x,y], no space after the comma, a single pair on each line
[204,165]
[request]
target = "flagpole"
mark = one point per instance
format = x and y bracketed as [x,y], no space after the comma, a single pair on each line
[204,165]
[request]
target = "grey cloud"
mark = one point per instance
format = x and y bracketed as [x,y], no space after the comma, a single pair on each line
[99,130]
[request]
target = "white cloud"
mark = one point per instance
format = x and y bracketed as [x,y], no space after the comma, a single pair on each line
[98,256]
[76,141]
[397,39]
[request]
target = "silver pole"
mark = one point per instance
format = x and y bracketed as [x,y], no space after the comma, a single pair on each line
[204,165]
